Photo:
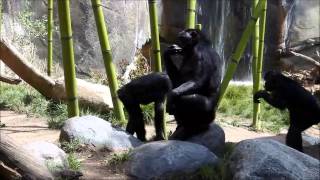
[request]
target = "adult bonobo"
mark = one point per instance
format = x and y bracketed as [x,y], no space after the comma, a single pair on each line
[195,72]
[144,90]
[282,92]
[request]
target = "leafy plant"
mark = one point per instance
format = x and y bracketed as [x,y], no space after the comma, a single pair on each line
[74,163]
[118,158]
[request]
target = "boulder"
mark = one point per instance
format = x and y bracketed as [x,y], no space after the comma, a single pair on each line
[165,159]
[269,159]
[98,133]
[50,155]
[213,139]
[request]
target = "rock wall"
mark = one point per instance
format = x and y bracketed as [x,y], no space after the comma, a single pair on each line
[127,21]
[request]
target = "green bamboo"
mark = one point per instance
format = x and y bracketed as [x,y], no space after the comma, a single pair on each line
[240,49]
[155,34]
[49,26]
[191,16]
[156,47]
[255,50]
[198,26]
[68,57]
[262,30]
[107,57]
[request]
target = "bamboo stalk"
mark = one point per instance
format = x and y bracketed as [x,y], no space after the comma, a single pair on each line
[49,26]
[255,52]
[198,26]
[156,48]
[240,49]
[68,57]
[191,16]
[155,34]
[262,29]
[107,57]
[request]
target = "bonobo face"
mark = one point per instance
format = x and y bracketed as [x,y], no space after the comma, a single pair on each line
[188,38]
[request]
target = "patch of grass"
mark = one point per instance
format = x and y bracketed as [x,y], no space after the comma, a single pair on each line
[118,158]
[24,99]
[74,163]
[217,172]
[238,101]
[72,146]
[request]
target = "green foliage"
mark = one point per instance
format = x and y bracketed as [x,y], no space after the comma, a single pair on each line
[74,163]
[238,101]
[36,27]
[24,99]
[142,67]
[72,146]
[118,158]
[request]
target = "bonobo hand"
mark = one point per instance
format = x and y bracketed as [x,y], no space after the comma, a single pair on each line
[171,96]
[258,95]
[174,49]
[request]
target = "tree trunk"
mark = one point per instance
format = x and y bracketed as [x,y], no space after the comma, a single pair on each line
[16,157]
[90,95]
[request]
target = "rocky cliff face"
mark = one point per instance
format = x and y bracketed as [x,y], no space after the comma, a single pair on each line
[289,22]
[127,21]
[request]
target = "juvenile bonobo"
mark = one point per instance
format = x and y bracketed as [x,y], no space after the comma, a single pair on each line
[194,69]
[144,90]
[282,92]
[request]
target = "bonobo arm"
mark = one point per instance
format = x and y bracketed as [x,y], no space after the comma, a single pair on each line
[170,67]
[271,98]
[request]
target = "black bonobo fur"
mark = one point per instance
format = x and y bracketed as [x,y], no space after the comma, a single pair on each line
[144,90]
[282,92]
[196,83]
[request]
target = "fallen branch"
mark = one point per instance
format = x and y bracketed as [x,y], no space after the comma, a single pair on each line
[9,80]
[91,95]
[307,58]
[8,173]
[15,156]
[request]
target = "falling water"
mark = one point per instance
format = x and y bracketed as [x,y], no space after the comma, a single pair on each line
[224,22]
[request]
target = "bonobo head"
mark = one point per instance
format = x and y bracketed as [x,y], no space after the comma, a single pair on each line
[190,37]
[272,79]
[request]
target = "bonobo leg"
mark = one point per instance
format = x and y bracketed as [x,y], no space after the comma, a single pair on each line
[135,122]
[193,113]
[159,120]
[294,138]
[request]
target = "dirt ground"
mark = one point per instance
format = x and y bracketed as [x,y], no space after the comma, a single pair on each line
[25,129]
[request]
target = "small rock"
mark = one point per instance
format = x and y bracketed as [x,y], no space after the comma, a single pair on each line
[165,159]
[50,155]
[269,159]
[213,139]
[97,132]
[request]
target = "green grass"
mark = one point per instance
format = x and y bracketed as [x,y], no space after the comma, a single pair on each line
[118,158]
[238,101]
[72,146]
[74,163]
[24,99]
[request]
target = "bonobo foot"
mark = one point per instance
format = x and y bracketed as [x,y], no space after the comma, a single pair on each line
[183,133]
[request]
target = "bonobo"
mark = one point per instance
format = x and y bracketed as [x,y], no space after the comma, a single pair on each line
[194,69]
[144,90]
[282,92]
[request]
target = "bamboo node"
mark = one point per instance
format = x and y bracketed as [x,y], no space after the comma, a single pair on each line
[193,10]
[96,5]
[155,51]
[66,37]
[254,18]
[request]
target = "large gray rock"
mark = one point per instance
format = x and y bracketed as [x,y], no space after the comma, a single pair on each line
[50,155]
[97,132]
[269,159]
[213,139]
[164,159]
